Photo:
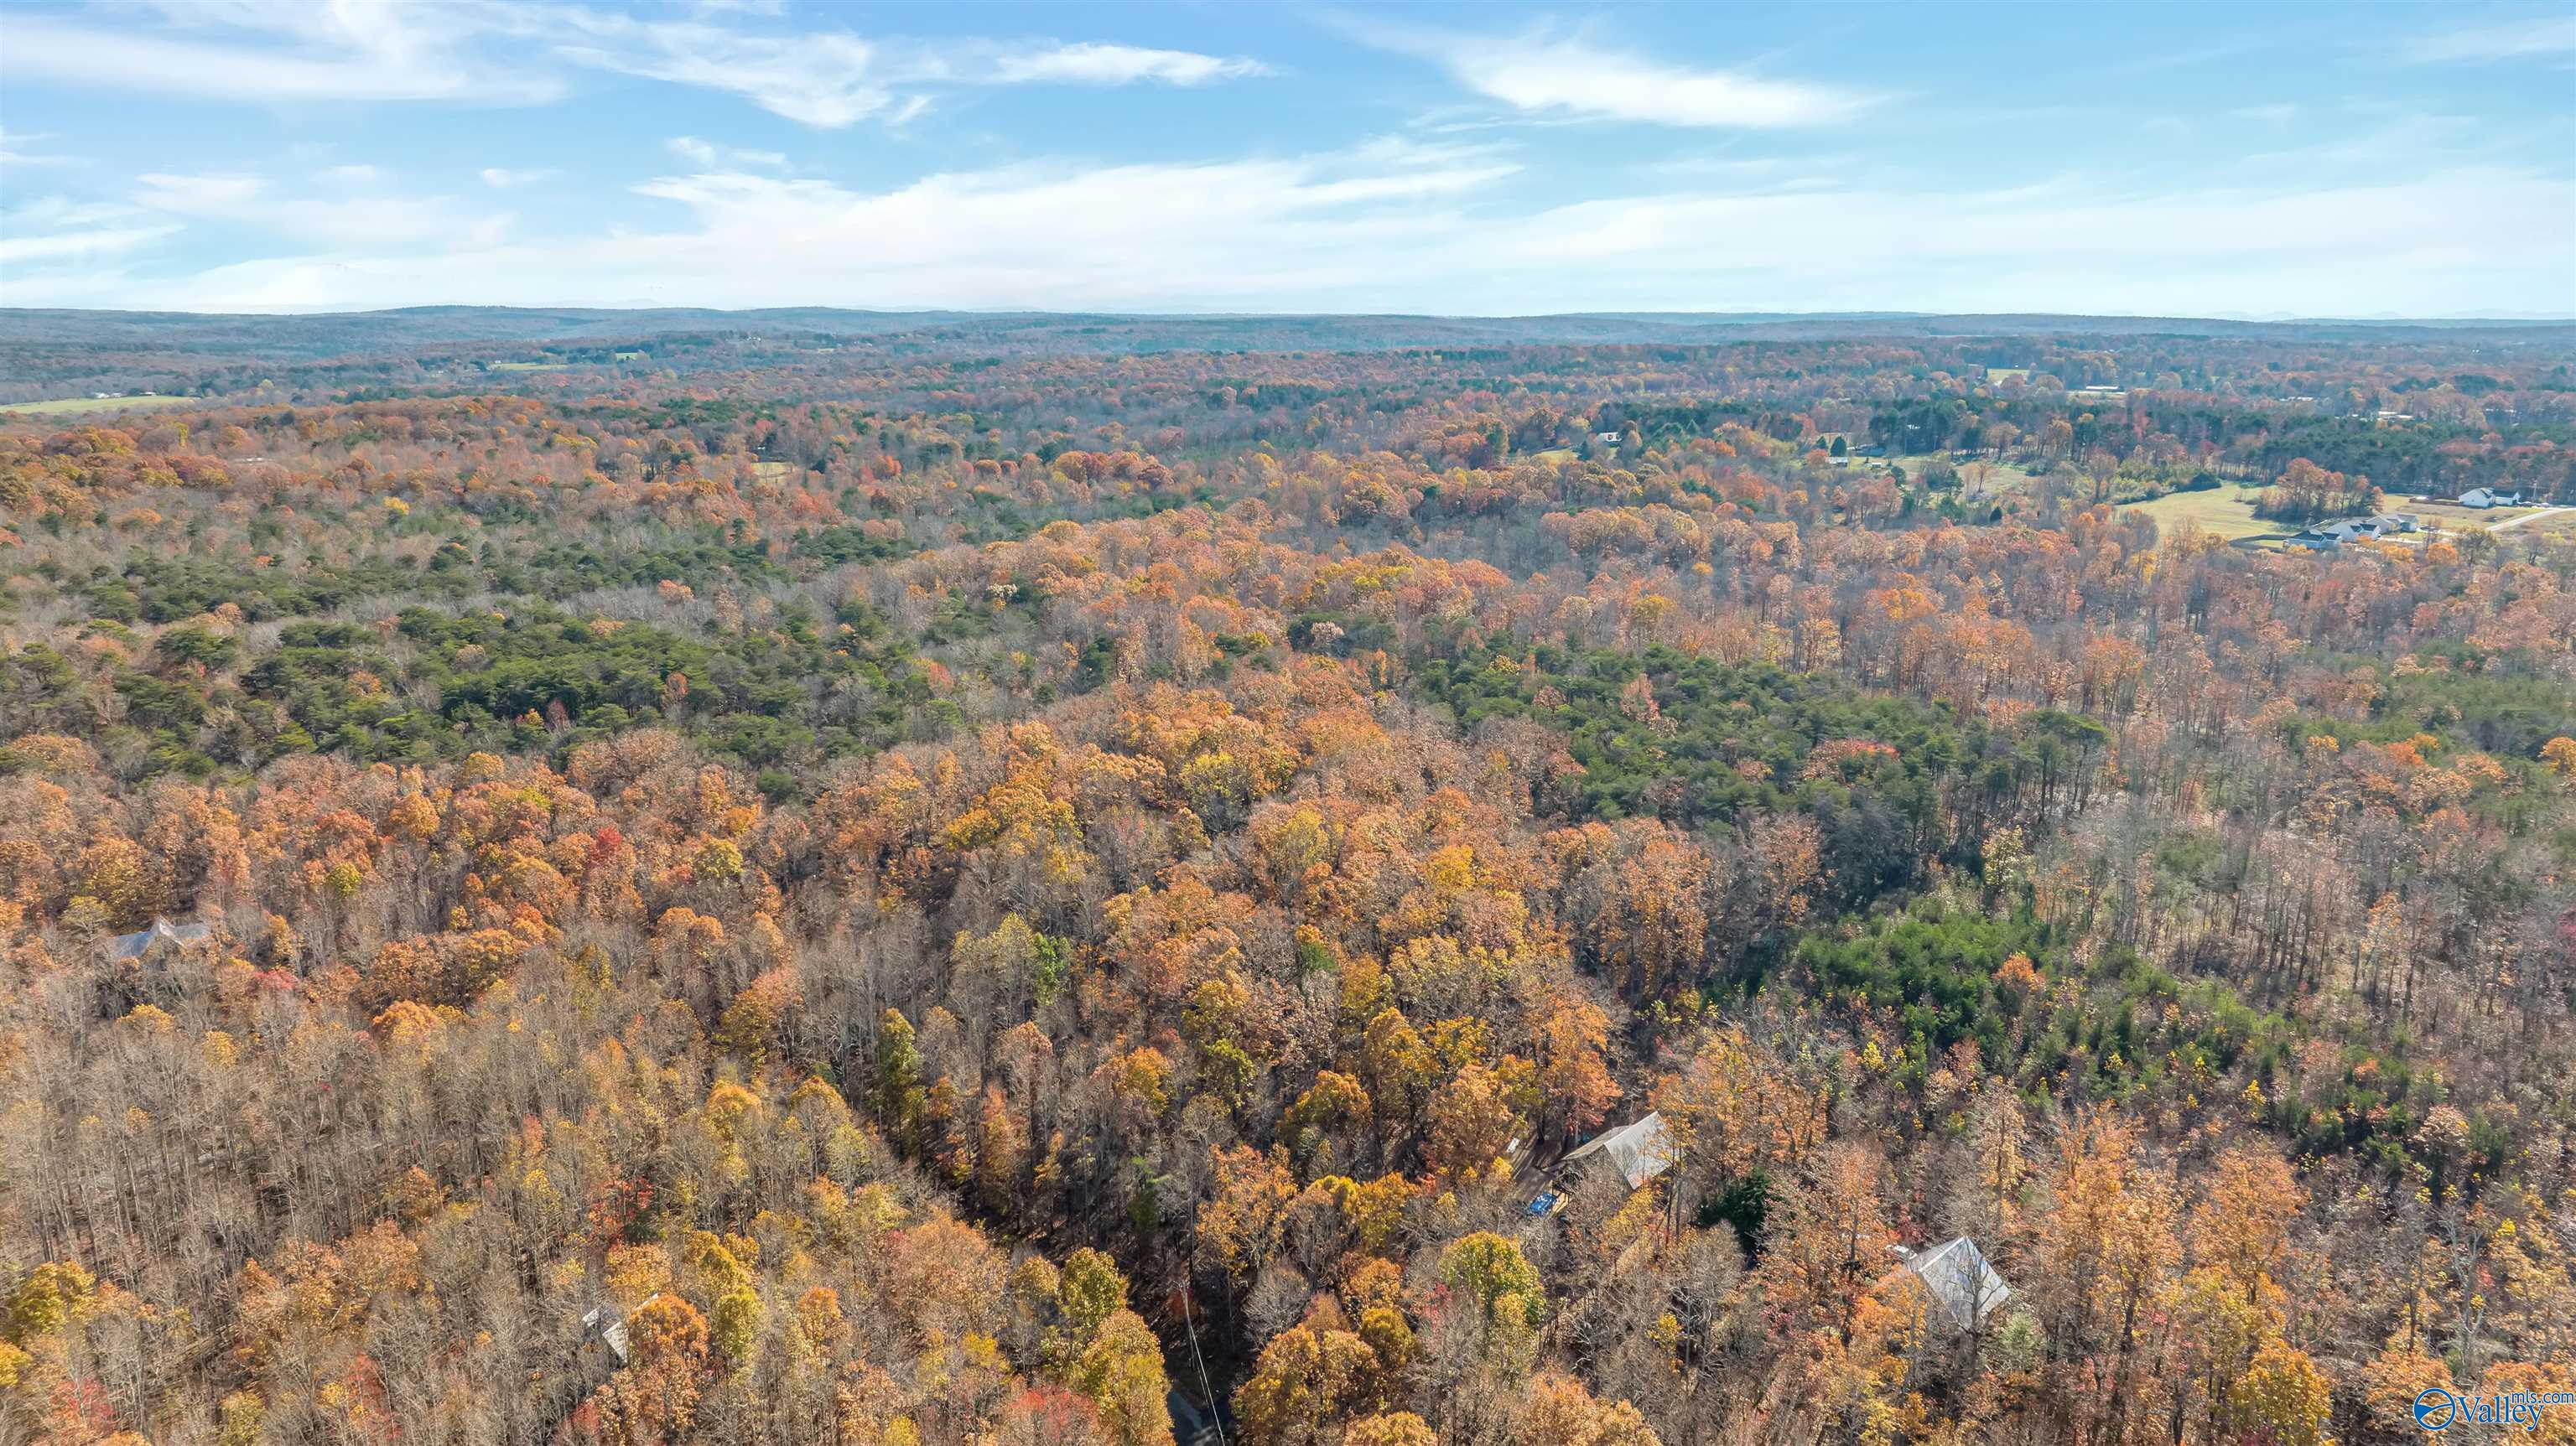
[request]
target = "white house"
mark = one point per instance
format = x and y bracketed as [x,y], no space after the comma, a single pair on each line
[2483,498]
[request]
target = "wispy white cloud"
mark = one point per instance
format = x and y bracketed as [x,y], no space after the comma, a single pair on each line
[1402,226]
[1134,235]
[1550,71]
[832,79]
[2538,37]
[352,213]
[344,50]
[1092,63]
[18,148]
[492,51]
[507,178]
[2191,59]
[827,80]
[75,246]
[201,195]
[708,156]
[59,229]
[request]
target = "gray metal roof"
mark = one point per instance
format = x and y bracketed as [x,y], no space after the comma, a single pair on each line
[1964,1288]
[1641,1150]
[133,946]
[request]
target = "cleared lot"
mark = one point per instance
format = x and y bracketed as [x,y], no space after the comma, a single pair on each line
[76,406]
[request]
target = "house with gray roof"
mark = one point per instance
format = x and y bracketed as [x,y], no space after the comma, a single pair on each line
[1962,1288]
[1635,1153]
[162,932]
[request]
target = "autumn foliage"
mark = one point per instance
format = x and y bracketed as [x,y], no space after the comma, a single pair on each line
[1076,896]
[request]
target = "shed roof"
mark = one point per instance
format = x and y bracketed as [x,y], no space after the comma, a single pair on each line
[1641,1149]
[132,946]
[1964,1288]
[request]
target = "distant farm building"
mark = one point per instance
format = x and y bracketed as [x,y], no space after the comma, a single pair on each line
[2326,536]
[2483,498]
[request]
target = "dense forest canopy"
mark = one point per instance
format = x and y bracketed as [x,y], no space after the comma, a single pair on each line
[634,877]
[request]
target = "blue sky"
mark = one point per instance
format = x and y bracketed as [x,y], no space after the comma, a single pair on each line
[2183,159]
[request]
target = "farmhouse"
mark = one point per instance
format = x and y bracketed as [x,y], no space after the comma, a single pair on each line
[2483,498]
[2327,535]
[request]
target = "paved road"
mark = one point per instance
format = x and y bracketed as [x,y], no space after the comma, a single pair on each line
[2530,517]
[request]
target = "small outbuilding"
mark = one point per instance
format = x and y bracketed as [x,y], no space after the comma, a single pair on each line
[1635,1153]
[604,1325]
[163,933]
[1962,1289]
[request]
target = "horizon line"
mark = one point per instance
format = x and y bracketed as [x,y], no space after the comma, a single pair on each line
[999,312]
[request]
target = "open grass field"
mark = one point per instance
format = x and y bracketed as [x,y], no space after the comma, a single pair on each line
[2464,519]
[79,406]
[773,471]
[529,366]
[1983,479]
[2226,512]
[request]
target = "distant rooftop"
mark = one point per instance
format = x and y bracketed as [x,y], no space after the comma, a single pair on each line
[1641,1150]
[1964,1288]
[135,945]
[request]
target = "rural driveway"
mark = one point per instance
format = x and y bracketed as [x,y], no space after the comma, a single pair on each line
[2530,517]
